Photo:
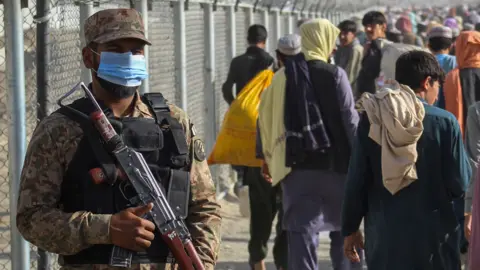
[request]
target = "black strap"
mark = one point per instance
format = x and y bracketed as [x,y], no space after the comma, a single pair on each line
[106,162]
[178,194]
[178,135]
[158,104]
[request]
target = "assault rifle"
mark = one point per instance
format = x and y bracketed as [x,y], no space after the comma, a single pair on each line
[135,170]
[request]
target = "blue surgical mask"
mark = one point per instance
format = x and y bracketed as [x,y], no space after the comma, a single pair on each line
[124,69]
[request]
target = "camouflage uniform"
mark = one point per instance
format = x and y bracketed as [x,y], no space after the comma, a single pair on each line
[40,218]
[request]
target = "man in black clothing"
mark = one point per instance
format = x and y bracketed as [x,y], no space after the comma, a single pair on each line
[375,25]
[244,67]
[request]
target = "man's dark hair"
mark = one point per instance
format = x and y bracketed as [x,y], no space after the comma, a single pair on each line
[374,17]
[413,67]
[439,43]
[257,33]
[348,26]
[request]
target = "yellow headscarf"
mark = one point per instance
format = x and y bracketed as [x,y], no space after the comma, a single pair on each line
[318,39]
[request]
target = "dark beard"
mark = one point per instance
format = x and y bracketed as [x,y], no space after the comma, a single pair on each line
[117,91]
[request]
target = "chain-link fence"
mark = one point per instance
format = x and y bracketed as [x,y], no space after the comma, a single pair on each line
[29,66]
[4,188]
[59,51]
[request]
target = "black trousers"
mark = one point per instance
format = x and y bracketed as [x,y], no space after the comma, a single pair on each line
[265,203]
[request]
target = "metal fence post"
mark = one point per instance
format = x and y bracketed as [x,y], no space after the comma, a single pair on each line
[86,10]
[142,7]
[44,260]
[15,69]
[291,28]
[209,91]
[232,33]
[266,23]
[181,52]
[277,28]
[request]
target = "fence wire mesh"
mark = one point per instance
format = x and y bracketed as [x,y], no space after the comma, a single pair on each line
[161,33]
[196,66]
[4,188]
[258,18]
[284,23]
[271,41]
[241,30]
[65,70]
[222,63]
[66,57]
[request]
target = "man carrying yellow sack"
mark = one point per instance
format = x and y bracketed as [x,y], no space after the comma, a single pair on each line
[243,69]
[307,122]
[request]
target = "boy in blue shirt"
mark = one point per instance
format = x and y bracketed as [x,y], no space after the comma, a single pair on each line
[440,40]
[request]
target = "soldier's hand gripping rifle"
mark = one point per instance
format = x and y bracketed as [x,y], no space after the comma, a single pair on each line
[135,169]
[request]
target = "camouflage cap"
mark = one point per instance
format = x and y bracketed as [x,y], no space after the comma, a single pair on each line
[112,24]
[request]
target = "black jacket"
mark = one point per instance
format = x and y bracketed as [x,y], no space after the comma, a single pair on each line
[324,78]
[244,68]
[370,67]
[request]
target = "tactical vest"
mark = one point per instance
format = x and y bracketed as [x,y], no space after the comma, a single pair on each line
[163,144]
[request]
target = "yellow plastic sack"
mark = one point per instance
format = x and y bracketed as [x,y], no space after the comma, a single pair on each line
[235,144]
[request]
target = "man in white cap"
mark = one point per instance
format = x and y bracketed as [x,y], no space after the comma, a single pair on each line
[289,45]
[265,196]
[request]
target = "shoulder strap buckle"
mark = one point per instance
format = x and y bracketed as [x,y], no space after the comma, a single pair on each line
[156,102]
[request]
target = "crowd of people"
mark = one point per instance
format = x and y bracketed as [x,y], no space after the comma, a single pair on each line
[371,127]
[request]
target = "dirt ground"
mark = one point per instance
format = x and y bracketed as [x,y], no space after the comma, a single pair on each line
[235,235]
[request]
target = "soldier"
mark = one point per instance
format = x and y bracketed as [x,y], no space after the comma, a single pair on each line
[62,210]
